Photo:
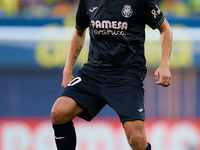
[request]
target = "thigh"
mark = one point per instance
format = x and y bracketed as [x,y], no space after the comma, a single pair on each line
[64,110]
[85,89]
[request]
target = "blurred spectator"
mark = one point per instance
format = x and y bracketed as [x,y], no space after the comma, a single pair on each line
[10,7]
[49,1]
[195,5]
[175,8]
[62,9]
[33,9]
[2,14]
[66,8]
[38,10]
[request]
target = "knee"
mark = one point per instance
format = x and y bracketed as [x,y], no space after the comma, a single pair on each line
[60,117]
[59,113]
[64,110]
[57,116]
[135,138]
[136,134]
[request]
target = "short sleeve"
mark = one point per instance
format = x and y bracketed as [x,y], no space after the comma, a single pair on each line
[152,15]
[82,20]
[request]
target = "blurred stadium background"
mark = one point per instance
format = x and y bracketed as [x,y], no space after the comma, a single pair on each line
[34,38]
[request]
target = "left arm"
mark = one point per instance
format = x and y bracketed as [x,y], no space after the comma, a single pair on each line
[162,74]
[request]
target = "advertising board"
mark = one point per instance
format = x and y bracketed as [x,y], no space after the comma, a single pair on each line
[99,134]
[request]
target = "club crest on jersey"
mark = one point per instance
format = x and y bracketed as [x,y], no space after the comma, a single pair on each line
[127,11]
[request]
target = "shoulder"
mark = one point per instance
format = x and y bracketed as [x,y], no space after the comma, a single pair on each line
[85,2]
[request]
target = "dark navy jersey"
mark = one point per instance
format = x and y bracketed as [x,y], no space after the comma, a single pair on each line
[117,31]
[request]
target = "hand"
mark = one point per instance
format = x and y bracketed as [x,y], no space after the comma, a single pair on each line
[163,76]
[66,79]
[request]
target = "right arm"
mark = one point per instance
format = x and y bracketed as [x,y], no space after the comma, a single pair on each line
[75,48]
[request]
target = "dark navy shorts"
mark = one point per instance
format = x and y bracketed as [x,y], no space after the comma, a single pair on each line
[93,90]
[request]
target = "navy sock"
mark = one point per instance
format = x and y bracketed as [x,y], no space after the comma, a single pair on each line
[148,147]
[65,136]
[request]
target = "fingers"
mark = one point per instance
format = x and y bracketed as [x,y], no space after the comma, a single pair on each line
[168,82]
[64,85]
[156,75]
[66,80]
[164,80]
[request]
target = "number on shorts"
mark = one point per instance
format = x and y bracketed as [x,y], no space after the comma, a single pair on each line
[75,81]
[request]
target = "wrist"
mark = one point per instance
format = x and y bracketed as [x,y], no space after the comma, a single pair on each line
[165,63]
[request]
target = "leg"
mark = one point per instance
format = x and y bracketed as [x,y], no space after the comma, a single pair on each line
[135,134]
[64,110]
